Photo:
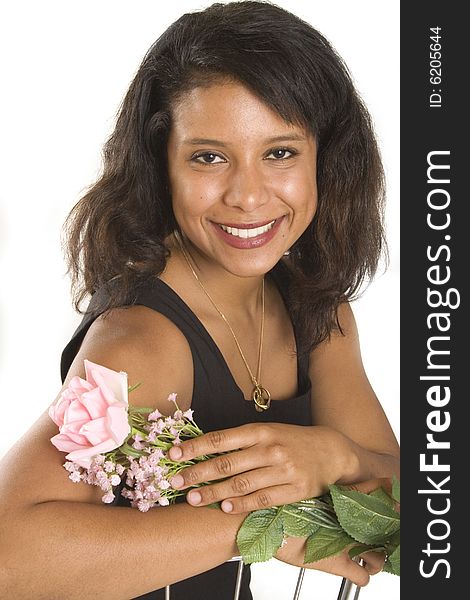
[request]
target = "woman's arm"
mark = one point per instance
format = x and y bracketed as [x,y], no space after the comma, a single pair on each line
[58,540]
[343,401]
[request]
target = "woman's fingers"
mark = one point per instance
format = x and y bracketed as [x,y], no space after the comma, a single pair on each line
[214,442]
[246,492]
[293,553]
[243,485]
[373,561]
[223,467]
[343,566]
[265,497]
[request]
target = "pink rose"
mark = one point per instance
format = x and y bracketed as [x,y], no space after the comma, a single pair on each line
[92,414]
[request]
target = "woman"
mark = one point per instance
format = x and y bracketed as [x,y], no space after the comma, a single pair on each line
[237,214]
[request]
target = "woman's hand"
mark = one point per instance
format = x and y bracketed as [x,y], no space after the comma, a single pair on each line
[293,551]
[267,464]
[372,562]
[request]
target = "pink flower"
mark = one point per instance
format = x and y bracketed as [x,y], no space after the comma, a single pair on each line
[92,414]
[115,479]
[188,414]
[158,426]
[108,497]
[153,416]
[144,505]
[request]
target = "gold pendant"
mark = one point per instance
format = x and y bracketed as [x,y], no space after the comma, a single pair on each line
[261,398]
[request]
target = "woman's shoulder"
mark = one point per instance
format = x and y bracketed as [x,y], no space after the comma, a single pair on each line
[145,344]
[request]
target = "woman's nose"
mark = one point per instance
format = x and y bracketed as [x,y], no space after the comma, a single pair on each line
[246,189]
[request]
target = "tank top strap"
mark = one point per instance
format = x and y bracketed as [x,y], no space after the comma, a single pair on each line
[157,295]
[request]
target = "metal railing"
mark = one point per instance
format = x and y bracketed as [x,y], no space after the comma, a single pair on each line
[347,591]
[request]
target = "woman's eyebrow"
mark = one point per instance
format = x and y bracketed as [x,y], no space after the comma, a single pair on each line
[291,137]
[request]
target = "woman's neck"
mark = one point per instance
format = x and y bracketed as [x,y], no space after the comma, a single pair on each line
[189,269]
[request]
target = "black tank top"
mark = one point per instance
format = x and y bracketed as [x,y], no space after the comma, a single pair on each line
[212,381]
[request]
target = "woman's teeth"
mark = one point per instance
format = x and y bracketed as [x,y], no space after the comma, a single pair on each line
[248,233]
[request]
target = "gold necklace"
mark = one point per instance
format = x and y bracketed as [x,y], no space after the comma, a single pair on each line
[260,395]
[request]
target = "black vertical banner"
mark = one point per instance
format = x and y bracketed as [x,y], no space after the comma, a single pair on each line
[435,259]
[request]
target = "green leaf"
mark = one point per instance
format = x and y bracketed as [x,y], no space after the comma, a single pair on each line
[129,451]
[359,549]
[326,542]
[381,494]
[131,388]
[392,564]
[396,489]
[260,535]
[392,542]
[140,411]
[298,522]
[367,519]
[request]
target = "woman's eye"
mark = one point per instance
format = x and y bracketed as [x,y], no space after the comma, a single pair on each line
[282,153]
[207,158]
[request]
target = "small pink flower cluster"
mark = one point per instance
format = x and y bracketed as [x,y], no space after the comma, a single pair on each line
[104,473]
[147,482]
[142,460]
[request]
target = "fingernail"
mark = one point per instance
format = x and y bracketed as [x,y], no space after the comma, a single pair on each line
[176,481]
[227,506]
[175,453]
[194,498]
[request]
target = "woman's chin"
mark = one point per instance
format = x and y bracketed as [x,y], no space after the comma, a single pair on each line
[250,267]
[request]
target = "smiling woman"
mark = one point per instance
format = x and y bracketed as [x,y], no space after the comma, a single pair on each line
[236,191]
[238,212]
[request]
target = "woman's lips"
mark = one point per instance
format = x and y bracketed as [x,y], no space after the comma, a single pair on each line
[245,236]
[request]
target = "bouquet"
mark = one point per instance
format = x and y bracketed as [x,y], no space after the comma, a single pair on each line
[124,449]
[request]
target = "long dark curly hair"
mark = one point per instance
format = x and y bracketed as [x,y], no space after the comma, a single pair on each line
[117,231]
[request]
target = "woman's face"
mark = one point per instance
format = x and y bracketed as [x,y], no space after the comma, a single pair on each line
[243,181]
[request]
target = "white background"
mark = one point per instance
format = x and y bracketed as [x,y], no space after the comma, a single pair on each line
[65,67]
